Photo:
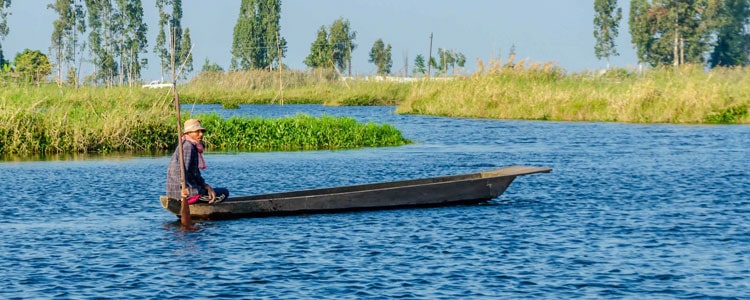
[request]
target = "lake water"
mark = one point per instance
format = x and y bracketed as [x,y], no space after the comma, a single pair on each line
[629,211]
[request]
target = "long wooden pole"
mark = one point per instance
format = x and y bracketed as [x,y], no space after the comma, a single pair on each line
[185,218]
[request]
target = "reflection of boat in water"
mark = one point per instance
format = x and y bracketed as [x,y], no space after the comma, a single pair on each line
[435,191]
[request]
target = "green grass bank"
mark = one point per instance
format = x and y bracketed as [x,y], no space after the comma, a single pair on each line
[48,120]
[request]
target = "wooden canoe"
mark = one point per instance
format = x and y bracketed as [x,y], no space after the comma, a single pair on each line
[469,188]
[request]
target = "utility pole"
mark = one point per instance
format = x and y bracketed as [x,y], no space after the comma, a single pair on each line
[406,63]
[429,60]
[349,51]
[281,70]
[676,52]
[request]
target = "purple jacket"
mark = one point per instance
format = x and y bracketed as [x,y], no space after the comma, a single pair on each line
[193,178]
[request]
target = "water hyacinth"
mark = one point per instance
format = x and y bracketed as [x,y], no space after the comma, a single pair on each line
[300,132]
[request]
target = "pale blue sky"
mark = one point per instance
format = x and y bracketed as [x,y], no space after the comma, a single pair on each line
[541,30]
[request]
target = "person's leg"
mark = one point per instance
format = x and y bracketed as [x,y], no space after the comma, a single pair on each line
[221,195]
[221,192]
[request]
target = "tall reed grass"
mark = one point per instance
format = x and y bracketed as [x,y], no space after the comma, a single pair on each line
[687,94]
[290,87]
[47,119]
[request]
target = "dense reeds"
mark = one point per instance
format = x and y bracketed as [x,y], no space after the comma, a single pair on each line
[688,94]
[48,119]
[290,87]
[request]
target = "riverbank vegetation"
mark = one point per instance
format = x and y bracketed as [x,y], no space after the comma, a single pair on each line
[50,119]
[290,87]
[47,119]
[687,94]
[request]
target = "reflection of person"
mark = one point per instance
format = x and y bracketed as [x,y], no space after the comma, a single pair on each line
[196,189]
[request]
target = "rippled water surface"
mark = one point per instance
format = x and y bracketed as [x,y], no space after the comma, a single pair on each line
[630,211]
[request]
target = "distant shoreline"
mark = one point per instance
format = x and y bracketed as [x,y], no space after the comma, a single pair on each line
[51,119]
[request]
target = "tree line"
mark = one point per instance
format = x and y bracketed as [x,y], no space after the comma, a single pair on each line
[111,36]
[674,32]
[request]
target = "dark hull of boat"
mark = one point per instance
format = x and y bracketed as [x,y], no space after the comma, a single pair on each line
[436,191]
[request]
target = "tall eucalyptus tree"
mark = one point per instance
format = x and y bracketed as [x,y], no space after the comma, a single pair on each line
[66,32]
[257,41]
[419,65]
[668,32]
[607,18]
[4,6]
[320,53]
[169,39]
[341,40]
[186,58]
[132,39]
[333,47]
[380,55]
[733,35]
[102,44]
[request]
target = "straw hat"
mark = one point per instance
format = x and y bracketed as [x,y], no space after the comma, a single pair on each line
[193,125]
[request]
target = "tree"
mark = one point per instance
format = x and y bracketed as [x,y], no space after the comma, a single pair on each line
[160,47]
[433,63]
[448,60]
[672,32]
[65,37]
[380,55]
[320,52]
[208,66]
[419,65]
[32,65]
[333,47]
[102,31]
[732,36]
[460,60]
[341,42]
[133,40]
[270,15]
[185,56]
[169,39]
[246,42]
[117,37]
[257,42]
[4,5]
[606,20]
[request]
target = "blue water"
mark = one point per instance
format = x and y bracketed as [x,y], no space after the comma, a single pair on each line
[630,211]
